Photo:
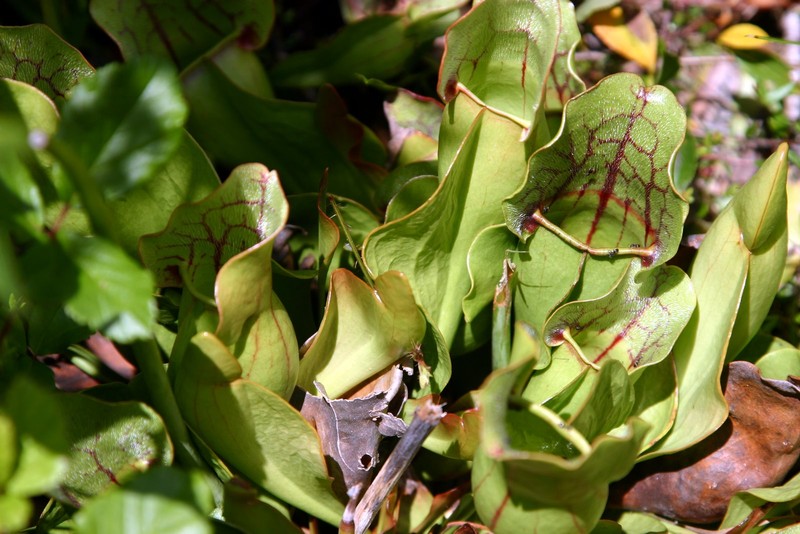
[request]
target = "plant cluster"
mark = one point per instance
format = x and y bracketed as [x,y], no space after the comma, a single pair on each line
[471,323]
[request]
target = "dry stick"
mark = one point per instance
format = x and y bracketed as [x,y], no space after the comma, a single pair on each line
[426,417]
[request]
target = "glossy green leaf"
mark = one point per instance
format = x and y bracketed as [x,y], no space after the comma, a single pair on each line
[22,193]
[111,293]
[380,46]
[485,267]
[637,323]
[608,404]
[14,513]
[603,185]
[186,177]
[780,363]
[298,140]
[501,52]
[37,56]
[252,320]
[656,392]
[765,235]
[457,435]
[125,122]
[244,510]
[161,500]
[534,471]
[563,83]
[253,429]
[414,123]
[109,443]
[183,31]
[202,236]
[547,270]
[724,274]
[430,245]
[744,503]
[39,452]
[411,196]
[365,330]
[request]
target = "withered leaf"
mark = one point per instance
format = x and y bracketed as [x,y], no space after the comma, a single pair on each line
[351,430]
[756,447]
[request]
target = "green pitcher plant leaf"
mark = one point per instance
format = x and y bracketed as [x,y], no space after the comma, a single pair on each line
[637,323]
[160,500]
[501,53]
[186,177]
[109,443]
[204,235]
[380,46]
[125,122]
[656,393]
[37,56]
[430,245]
[250,427]
[252,319]
[547,269]
[603,185]
[532,470]
[299,140]
[365,330]
[414,123]
[182,31]
[563,83]
[724,273]
[744,503]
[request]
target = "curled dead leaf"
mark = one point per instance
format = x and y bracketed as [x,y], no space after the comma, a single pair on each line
[756,447]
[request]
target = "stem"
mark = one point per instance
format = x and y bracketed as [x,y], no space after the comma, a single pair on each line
[91,196]
[163,399]
[501,319]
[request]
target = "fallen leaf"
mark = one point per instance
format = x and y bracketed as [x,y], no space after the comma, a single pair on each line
[635,39]
[351,430]
[756,447]
[742,37]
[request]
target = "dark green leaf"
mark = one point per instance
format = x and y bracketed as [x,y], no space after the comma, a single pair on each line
[125,122]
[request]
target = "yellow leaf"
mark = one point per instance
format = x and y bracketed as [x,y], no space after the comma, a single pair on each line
[635,39]
[742,37]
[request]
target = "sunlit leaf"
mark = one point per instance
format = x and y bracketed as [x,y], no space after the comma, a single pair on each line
[365,330]
[22,193]
[501,52]
[430,245]
[744,36]
[636,323]
[161,500]
[532,470]
[744,503]
[37,56]
[202,236]
[110,291]
[604,184]
[734,286]
[252,320]
[635,39]
[39,452]
[298,140]
[253,429]
[563,83]
[182,31]
[110,442]
[125,122]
